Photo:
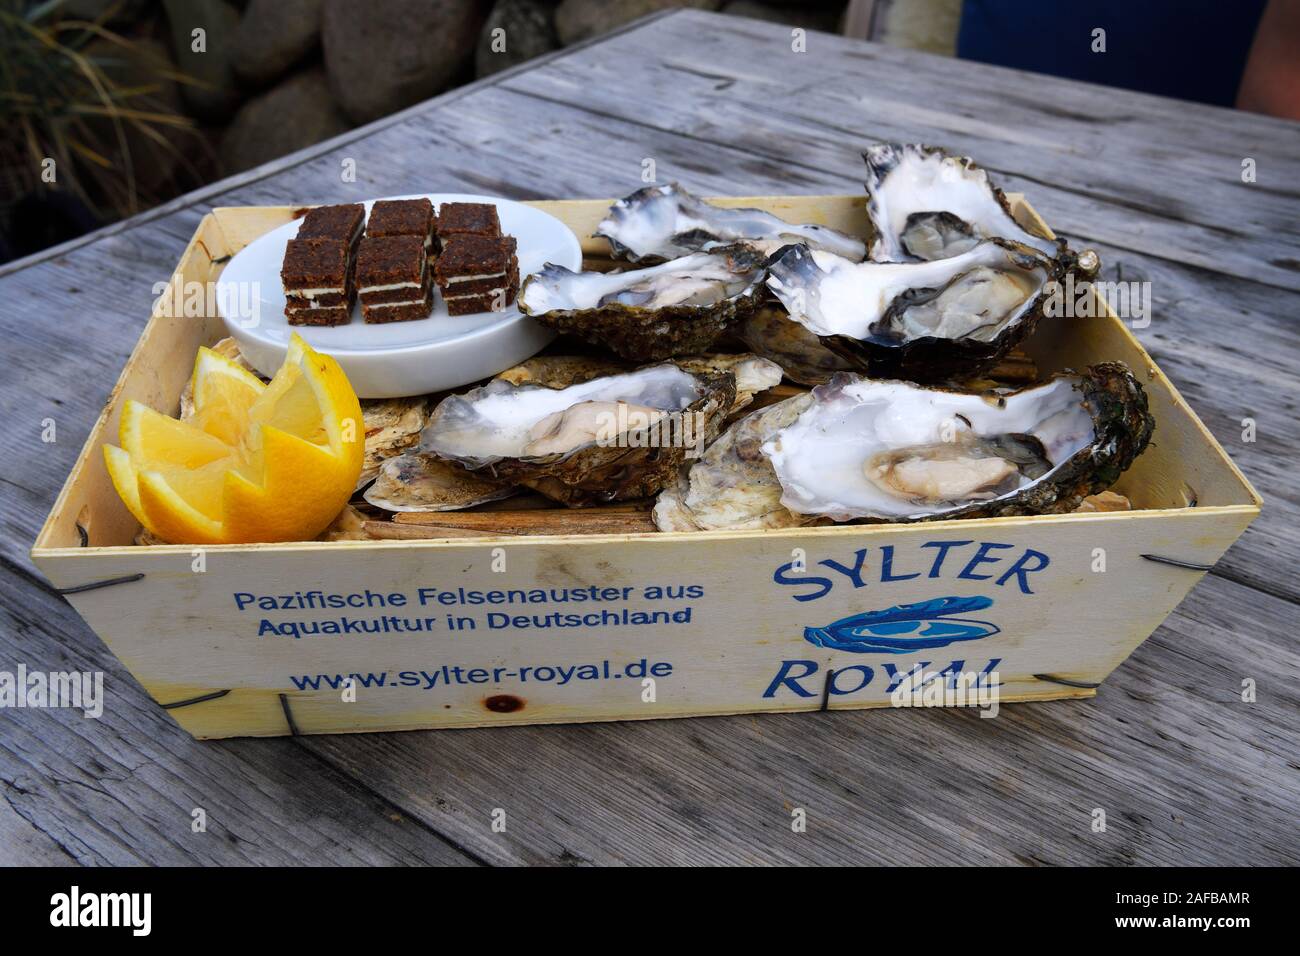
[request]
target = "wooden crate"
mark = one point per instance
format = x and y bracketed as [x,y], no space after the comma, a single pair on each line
[725,631]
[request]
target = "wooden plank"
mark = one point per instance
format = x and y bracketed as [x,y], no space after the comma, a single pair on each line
[552,148]
[555,521]
[1186,772]
[121,789]
[814,111]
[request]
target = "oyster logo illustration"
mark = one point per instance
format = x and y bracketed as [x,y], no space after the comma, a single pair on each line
[906,627]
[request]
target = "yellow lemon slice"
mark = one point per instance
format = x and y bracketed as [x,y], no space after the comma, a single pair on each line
[258,462]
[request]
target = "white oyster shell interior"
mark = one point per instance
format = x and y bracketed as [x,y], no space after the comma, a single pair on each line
[910,186]
[501,420]
[666,221]
[702,279]
[975,295]
[891,450]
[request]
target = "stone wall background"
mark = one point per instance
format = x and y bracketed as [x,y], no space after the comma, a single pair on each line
[276,76]
[281,75]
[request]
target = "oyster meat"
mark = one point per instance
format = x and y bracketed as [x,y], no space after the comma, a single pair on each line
[893,451]
[605,439]
[926,204]
[676,308]
[665,222]
[924,321]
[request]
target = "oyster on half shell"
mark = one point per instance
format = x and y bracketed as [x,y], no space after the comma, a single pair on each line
[676,308]
[893,451]
[752,373]
[926,204]
[925,321]
[605,439]
[665,222]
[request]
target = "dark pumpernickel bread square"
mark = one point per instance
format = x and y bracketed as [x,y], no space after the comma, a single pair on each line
[467,218]
[390,260]
[333,222]
[475,256]
[334,315]
[314,264]
[473,304]
[401,217]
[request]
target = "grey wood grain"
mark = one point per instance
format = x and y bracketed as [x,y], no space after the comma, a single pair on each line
[121,789]
[1186,772]
[1160,751]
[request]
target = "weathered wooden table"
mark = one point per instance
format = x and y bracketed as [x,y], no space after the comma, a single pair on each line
[1185,770]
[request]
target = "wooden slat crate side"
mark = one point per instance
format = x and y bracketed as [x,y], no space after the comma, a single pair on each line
[183,636]
[176,630]
[155,374]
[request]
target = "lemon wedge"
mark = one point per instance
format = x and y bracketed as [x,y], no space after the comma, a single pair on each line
[258,461]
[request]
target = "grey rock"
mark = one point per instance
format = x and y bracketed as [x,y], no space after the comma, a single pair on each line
[809,17]
[385,55]
[528,30]
[274,35]
[214,97]
[579,19]
[298,113]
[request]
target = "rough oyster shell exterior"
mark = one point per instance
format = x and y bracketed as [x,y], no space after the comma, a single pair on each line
[733,485]
[597,472]
[652,333]
[417,481]
[928,358]
[772,334]
[662,222]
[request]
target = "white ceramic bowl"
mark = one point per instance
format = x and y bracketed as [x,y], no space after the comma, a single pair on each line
[396,358]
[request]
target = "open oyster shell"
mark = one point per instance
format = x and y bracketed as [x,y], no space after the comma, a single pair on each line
[925,204]
[676,308]
[752,373]
[893,451]
[664,222]
[733,485]
[606,439]
[924,321]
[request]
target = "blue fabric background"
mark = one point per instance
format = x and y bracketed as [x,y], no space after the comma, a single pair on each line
[1190,49]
